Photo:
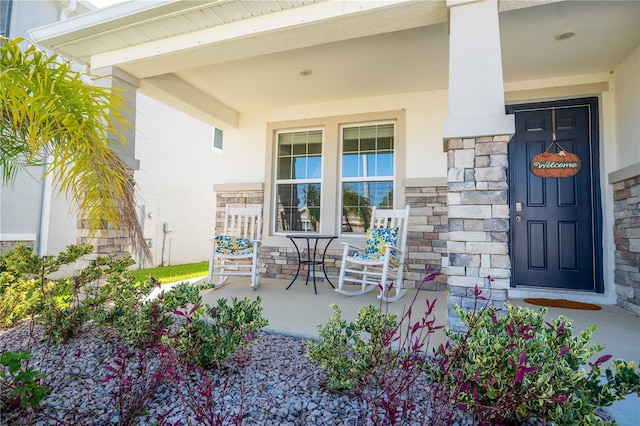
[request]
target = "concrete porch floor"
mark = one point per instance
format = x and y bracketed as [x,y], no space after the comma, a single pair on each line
[298,311]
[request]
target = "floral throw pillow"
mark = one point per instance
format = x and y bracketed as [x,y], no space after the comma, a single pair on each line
[233,245]
[376,244]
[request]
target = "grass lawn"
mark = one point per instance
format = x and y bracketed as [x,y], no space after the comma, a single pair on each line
[173,273]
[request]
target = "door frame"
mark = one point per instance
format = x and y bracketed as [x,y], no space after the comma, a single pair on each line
[598,254]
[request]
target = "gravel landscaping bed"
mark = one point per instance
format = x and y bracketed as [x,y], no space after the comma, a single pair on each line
[282,386]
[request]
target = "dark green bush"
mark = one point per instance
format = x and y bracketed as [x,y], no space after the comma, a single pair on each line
[511,365]
[210,334]
[348,351]
[19,383]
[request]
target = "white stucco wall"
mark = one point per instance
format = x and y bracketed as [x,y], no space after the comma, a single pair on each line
[15,215]
[626,90]
[177,171]
[21,203]
[425,112]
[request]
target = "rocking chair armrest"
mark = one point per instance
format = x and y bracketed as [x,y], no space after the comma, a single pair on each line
[396,248]
[352,246]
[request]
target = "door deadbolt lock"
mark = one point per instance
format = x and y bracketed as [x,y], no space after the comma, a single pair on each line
[518,207]
[518,219]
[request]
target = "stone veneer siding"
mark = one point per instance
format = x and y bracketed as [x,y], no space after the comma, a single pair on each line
[107,242]
[426,239]
[239,198]
[7,245]
[478,223]
[427,235]
[626,233]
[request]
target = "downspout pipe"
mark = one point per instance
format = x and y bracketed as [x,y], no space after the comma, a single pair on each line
[47,188]
[45,210]
[71,7]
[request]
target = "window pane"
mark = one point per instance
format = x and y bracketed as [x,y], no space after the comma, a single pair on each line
[384,165]
[374,144]
[349,145]
[367,145]
[385,144]
[217,138]
[298,207]
[385,131]
[299,150]
[285,170]
[350,166]
[314,165]
[315,149]
[298,204]
[357,200]
[310,213]
[356,209]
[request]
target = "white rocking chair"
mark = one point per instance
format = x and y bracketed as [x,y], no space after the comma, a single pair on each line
[235,251]
[381,263]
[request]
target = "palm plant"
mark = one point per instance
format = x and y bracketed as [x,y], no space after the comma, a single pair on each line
[47,111]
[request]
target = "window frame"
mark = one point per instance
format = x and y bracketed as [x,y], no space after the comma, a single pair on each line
[331,214]
[358,179]
[217,136]
[276,181]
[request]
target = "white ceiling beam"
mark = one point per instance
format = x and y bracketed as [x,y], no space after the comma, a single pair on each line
[174,91]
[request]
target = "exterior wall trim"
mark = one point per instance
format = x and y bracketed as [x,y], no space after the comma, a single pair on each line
[17,237]
[624,173]
[238,187]
[420,182]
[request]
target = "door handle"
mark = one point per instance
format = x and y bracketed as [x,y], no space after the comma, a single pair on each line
[518,219]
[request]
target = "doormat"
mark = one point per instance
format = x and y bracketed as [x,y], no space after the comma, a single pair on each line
[562,303]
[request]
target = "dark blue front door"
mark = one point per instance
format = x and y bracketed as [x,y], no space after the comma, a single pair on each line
[555,238]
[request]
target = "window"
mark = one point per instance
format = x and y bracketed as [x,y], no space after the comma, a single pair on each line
[367,173]
[217,139]
[298,181]
[326,173]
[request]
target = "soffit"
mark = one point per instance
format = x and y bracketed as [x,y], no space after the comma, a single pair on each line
[354,49]
[134,23]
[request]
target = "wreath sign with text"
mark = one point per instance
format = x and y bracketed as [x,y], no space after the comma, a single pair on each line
[559,165]
[555,165]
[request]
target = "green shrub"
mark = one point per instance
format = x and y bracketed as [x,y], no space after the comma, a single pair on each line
[180,295]
[346,353]
[19,384]
[25,290]
[511,366]
[210,334]
[120,303]
[18,298]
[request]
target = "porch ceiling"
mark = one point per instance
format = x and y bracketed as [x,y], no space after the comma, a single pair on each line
[215,59]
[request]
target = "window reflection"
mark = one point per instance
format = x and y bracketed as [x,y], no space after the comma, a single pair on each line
[299,173]
[367,173]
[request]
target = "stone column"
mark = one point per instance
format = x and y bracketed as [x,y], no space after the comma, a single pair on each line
[477,132]
[478,244]
[110,241]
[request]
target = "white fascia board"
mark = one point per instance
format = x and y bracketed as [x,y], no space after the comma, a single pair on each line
[110,18]
[249,27]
